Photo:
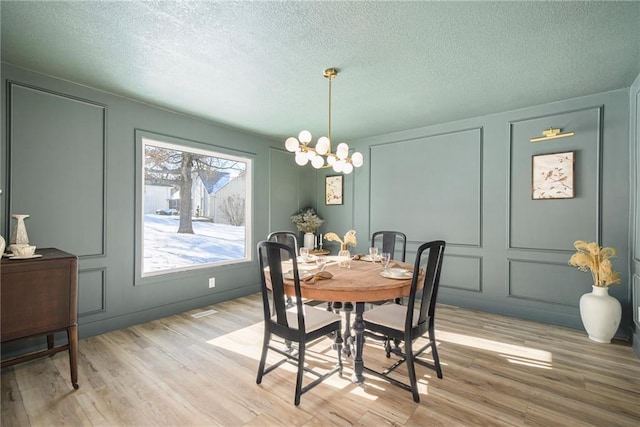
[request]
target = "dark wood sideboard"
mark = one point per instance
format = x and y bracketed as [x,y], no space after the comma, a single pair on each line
[39,296]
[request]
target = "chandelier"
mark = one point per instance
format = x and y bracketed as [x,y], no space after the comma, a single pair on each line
[321,156]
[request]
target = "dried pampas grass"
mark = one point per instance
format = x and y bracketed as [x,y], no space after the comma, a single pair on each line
[591,257]
[349,238]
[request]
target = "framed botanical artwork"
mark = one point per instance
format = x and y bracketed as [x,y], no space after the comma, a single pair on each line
[333,187]
[552,176]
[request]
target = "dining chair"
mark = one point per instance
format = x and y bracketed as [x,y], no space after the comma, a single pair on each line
[300,324]
[288,238]
[389,241]
[407,323]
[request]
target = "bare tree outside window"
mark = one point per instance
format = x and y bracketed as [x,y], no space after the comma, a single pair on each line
[199,195]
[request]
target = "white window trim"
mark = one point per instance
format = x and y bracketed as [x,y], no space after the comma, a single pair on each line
[175,143]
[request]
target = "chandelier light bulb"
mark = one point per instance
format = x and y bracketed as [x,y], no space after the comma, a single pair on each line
[317,162]
[311,155]
[304,136]
[338,166]
[348,168]
[331,160]
[357,159]
[291,144]
[322,147]
[342,151]
[301,158]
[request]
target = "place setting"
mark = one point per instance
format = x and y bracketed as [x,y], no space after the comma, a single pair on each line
[312,275]
[306,258]
[396,271]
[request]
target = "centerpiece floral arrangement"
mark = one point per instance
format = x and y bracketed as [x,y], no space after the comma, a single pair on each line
[349,238]
[590,256]
[307,220]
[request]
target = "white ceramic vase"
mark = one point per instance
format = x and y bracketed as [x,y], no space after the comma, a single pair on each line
[19,235]
[309,241]
[600,314]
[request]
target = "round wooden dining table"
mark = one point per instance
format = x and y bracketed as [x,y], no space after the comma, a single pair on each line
[359,284]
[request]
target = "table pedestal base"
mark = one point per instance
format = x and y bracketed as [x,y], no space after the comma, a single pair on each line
[358,330]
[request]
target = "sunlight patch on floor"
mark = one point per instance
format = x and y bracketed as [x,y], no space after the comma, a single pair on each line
[320,354]
[242,341]
[527,362]
[362,392]
[537,357]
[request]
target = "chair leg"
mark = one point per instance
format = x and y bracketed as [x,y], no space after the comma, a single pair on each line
[397,342]
[263,358]
[434,351]
[411,370]
[387,347]
[301,352]
[339,342]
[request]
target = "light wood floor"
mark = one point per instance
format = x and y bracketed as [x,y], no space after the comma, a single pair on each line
[183,371]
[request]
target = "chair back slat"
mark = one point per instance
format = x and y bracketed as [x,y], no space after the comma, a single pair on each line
[431,282]
[389,241]
[286,237]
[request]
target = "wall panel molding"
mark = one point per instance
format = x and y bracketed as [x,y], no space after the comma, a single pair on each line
[92,291]
[528,226]
[635,186]
[547,282]
[440,182]
[63,140]
[465,274]
[636,300]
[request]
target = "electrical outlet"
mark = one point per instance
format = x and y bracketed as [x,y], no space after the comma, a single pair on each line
[212,282]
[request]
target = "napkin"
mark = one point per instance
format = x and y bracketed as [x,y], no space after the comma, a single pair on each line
[357,257]
[323,275]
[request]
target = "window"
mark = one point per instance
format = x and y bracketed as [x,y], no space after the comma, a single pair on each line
[194,205]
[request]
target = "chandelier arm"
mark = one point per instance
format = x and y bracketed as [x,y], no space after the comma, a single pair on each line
[340,160]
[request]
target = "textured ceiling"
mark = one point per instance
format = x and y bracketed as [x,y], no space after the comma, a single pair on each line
[258,65]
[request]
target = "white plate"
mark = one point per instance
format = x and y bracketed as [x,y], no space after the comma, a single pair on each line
[371,259]
[302,273]
[311,260]
[26,257]
[400,276]
[8,255]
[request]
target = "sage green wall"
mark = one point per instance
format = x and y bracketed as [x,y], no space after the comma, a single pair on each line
[634,241]
[81,197]
[506,253]
[290,187]
[469,183]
